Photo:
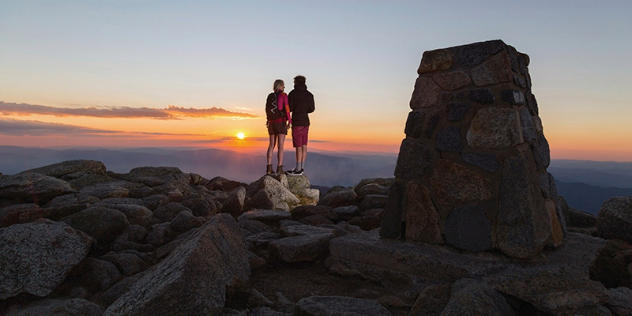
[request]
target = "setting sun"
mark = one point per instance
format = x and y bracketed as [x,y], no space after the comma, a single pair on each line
[241,135]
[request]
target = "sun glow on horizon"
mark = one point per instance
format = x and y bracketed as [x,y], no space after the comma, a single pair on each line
[241,135]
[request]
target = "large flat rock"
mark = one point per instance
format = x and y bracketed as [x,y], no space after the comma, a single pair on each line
[194,278]
[406,268]
[33,187]
[69,167]
[36,257]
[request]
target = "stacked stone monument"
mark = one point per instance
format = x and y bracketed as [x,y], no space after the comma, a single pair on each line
[471,171]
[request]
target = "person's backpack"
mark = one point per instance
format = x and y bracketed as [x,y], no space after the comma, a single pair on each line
[272,108]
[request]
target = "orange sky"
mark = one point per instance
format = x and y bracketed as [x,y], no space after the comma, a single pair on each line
[567,141]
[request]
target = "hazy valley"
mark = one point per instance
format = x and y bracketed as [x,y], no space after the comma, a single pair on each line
[584,184]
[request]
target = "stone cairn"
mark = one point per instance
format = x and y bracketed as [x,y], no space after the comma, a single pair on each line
[471,171]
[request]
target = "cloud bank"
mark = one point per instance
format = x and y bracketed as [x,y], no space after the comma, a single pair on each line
[170,113]
[12,127]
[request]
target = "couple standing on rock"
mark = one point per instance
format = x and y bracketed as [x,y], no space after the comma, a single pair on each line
[279,105]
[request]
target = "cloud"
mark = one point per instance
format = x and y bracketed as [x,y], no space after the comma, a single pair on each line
[170,113]
[12,127]
[36,128]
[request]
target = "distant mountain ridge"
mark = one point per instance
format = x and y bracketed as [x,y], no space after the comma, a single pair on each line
[584,184]
[322,169]
[586,197]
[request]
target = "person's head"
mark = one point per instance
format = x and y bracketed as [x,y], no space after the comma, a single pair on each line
[278,85]
[299,79]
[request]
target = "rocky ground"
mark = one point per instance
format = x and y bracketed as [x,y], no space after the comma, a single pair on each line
[76,239]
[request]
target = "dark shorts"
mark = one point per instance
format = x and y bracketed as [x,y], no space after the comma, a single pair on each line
[299,135]
[277,128]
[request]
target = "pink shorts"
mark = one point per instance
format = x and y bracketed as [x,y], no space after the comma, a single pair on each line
[299,135]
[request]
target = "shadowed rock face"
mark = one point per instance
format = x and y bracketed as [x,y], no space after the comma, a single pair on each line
[195,277]
[474,155]
[36,257]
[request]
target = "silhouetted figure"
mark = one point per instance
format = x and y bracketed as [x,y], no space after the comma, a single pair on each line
[301,103]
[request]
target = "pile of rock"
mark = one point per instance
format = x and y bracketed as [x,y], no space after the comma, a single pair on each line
[94,241]
[472,170]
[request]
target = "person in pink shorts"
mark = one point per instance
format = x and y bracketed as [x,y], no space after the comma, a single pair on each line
[301,104]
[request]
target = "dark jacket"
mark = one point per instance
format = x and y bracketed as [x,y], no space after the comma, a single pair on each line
[301,102]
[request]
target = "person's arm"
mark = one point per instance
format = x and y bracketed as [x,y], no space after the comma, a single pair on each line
[287,108]
[311,106]
[290,99]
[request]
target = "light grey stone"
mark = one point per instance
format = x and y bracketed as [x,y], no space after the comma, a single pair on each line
[494,128]
[33,187]
[36,257]
[104,224]
[343,197]
[495,70]
[615,219]
[425,94]
[68,167]
[452,80]
[523,223]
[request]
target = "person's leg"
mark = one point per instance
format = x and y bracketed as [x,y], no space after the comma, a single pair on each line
[280,148]
[270,151]
[303,155]
[297,148]
[304,146]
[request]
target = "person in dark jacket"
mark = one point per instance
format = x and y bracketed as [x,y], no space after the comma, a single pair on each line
[301,103]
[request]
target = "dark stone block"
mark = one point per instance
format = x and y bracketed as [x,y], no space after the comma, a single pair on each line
[545,184]
[520,82]
[577,218]
[541,153]
[414,160]
[467,227]
[446,97]
[449,139]
[528,128]
[475,54]
[461,96]
[414,124]
[559,210]
[457,111]
[513,57]
[483,96]
[552,185]
[484,161]
[523,61]
[532,104]
[513,97]
[432,123]
[392,222]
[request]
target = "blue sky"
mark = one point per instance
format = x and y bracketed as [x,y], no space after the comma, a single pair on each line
[360,58]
